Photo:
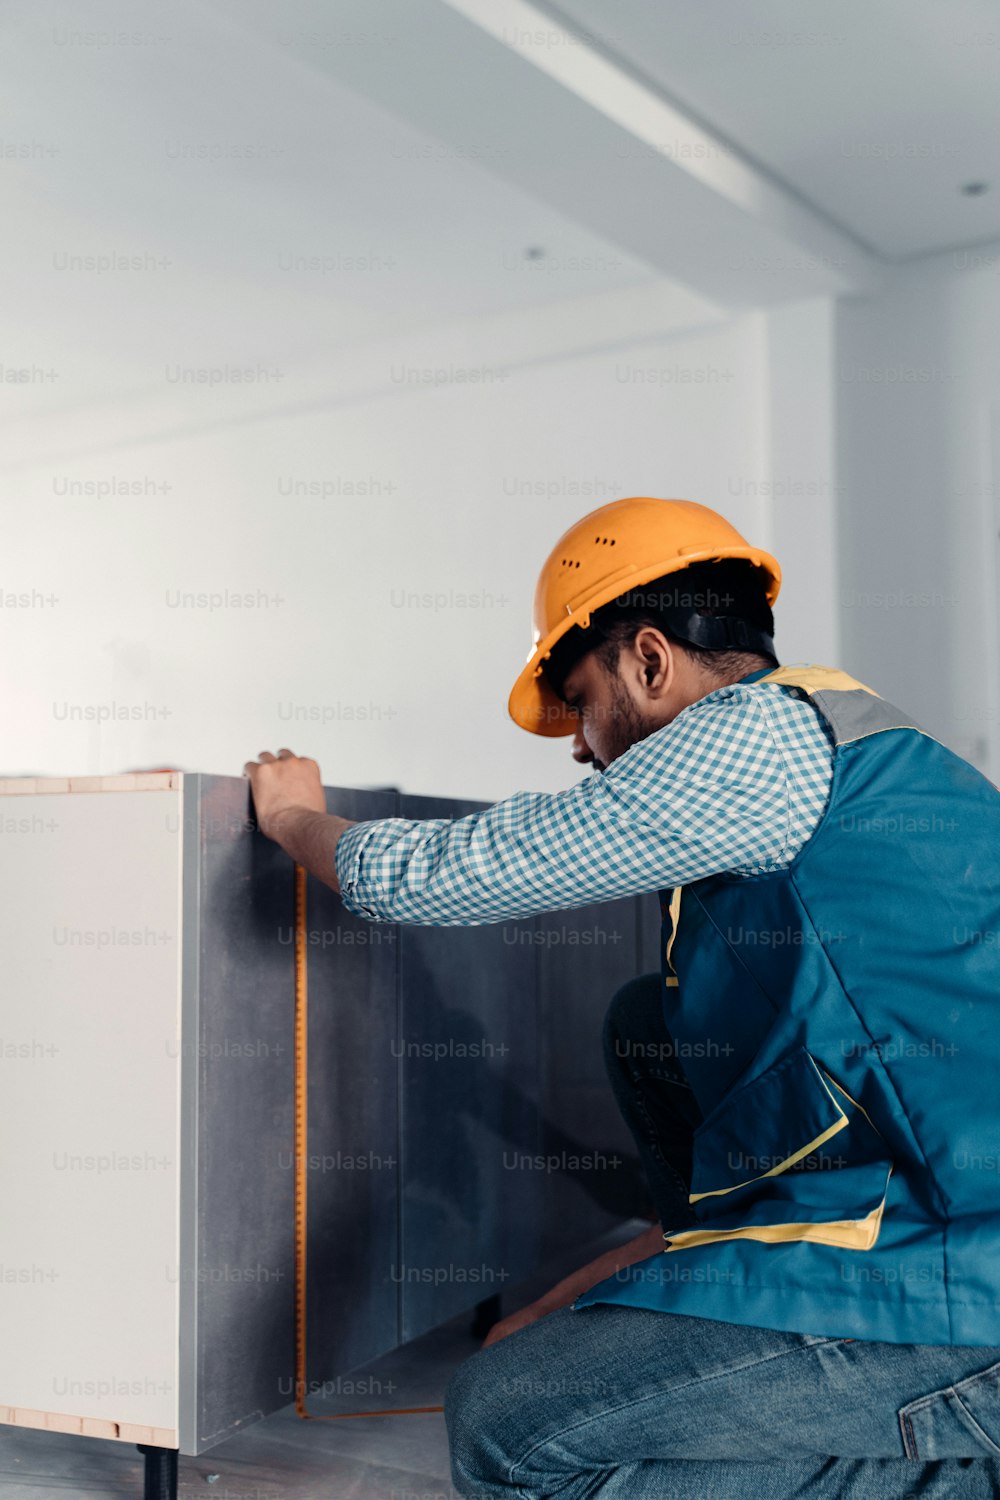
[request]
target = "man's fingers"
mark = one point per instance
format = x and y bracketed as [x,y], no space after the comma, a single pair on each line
[283,781]
[265,758]
[254,765]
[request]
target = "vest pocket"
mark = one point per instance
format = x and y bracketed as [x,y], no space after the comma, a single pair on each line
[788,1156]
[959,1421]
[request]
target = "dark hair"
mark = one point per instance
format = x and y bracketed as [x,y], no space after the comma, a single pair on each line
[734,588]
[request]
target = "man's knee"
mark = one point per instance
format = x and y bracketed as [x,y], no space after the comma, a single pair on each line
[479,1407]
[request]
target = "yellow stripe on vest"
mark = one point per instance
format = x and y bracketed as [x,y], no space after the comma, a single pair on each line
[817,679]
[782,1166]
[675,916]
[846,1234]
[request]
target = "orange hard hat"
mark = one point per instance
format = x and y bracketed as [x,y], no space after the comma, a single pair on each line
[612,550]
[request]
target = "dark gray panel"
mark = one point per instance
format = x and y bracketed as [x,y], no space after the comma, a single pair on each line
[242,1045]
[592,1175]
[430,1037]
[353,1122]
[469,1062]
[241,1131]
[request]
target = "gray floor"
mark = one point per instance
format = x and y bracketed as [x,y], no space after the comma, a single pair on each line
[372,1458]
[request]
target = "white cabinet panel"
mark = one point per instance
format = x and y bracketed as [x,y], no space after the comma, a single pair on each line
[89,1105]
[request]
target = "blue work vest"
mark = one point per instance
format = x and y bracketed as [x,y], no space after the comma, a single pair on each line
[839,1023]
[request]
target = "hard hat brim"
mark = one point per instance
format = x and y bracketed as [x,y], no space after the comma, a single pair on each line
[533,705]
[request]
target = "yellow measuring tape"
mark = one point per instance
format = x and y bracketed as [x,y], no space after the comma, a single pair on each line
[301,1169]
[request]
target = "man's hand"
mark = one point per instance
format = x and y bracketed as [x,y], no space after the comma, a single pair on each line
[281,783]
[290,804]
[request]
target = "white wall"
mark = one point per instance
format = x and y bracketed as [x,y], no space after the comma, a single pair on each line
[918,383]
[805,491]
[470,485]
[856,439]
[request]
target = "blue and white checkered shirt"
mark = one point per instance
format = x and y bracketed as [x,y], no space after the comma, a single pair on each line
[736,783]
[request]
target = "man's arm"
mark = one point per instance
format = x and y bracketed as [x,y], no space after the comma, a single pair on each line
[290,808]
[311,839]
[706,794]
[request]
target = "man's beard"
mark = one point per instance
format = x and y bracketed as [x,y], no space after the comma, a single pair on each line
[626,726]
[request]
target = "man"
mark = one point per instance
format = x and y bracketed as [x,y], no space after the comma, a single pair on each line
[820,1299]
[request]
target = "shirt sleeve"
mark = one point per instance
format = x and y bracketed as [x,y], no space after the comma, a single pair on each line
[706,794]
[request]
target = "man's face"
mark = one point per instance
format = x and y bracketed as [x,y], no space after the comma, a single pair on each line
[610,721]
[652,681]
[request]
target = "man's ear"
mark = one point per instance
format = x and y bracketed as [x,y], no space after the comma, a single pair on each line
[655,658]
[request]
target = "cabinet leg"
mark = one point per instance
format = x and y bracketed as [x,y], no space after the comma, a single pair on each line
[161,1472]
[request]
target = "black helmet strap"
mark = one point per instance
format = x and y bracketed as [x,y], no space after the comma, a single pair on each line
[719,632]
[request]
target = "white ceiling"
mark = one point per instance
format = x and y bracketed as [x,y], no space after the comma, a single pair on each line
[276,213]
[876,113]
[298,181]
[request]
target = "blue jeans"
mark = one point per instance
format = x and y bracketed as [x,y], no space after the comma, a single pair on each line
[623,1402]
